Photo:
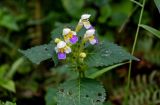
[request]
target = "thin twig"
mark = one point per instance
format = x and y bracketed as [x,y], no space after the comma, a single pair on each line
[139,4]
[133,49]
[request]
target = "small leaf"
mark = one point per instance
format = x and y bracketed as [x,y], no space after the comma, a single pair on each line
[152,30]
[39,53]
[106,54]
[7,84]
[81,92]
[101,72]
[157,2]
[50,97]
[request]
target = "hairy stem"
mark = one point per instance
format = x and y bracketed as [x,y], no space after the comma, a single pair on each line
[133,49]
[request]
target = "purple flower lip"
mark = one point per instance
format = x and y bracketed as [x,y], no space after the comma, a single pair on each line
[74,39]
[90,28]
[61,55]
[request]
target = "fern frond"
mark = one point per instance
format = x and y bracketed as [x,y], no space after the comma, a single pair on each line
[144,90]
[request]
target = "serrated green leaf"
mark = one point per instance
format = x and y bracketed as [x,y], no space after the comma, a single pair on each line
[152,30]
[157,2]
[7,84]
[73,7]
[106,54]
[81,92]
[50,97]
[39,53]
[104,70]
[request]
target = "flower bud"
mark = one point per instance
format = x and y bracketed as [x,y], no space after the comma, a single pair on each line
[82,55]
[57,40]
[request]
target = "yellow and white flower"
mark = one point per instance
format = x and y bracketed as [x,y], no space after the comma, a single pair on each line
[70,36]
[89,35]
[84,21]
[62,49]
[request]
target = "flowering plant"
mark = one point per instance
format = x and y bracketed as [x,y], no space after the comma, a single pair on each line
[81,51]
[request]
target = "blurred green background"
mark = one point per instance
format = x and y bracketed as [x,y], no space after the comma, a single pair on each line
[27,23]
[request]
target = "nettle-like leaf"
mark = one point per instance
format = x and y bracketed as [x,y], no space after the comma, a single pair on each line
[39,53]
[105,54]
[81,92]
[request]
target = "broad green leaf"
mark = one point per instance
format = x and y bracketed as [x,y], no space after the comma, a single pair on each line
[7,84]
[73,7]
[157,2]
[7,103]
[81,92]
[106,54]
[152,30]
[50,97]
[104,70]
[39,53]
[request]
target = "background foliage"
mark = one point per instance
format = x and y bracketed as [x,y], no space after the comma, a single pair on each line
[27,23]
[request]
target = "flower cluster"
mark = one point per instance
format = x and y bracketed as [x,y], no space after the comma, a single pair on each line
[70,37]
